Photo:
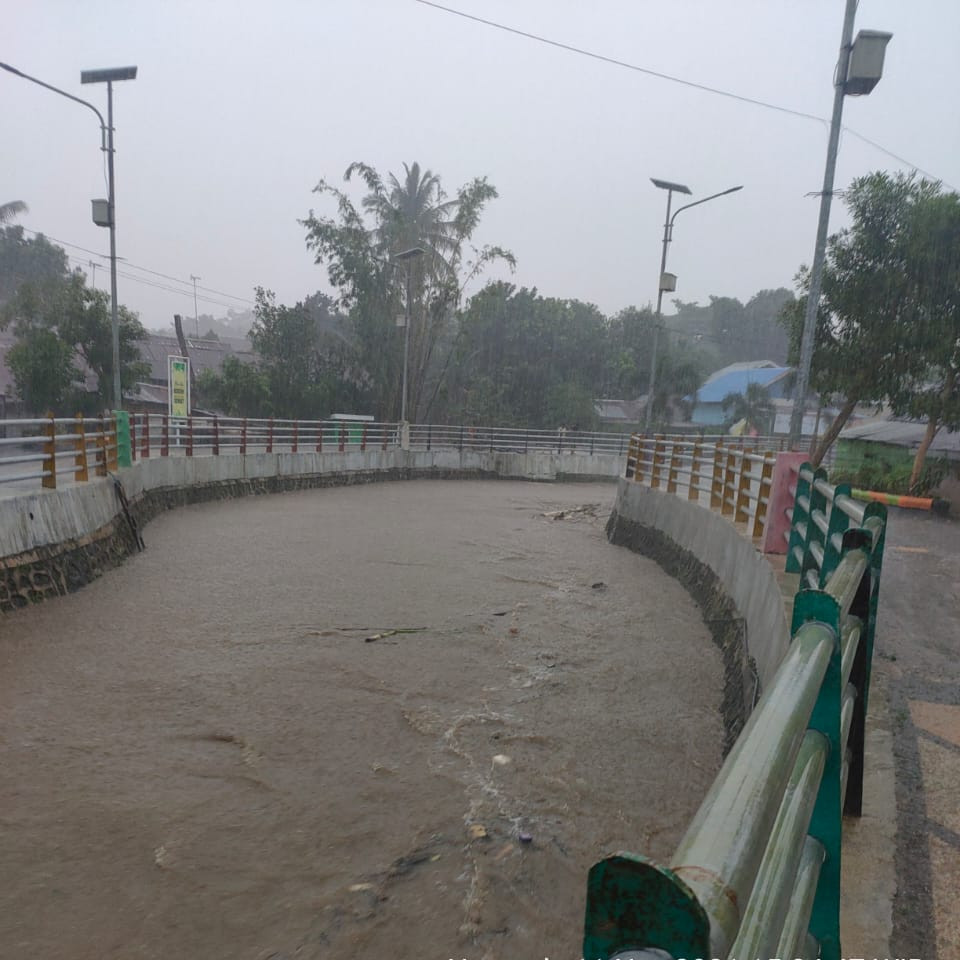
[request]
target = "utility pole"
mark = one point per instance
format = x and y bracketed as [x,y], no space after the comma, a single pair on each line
[196,316]
[93,268]
[820,248]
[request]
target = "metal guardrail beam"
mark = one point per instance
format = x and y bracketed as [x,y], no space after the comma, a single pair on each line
[132,436]
[757,873]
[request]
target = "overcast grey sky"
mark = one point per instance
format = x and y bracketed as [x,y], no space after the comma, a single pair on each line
[240,107]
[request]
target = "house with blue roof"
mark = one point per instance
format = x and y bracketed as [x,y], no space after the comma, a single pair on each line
[707,403]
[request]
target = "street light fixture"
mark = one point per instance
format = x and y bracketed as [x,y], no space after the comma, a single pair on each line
[103,212]
[404,257]
[858,72]
[668,281]
[108,77]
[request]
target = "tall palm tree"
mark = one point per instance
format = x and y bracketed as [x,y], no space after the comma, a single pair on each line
[12,209]
[753,405]
[412,212]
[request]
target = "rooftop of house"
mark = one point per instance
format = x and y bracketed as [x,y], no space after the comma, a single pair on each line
[905,433]
[204,354]
[740,365]
[728,380]
[620,411]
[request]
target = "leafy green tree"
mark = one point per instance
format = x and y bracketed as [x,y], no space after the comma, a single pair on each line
[753,406]
[306,361]
[727,330]
[34,268]
[239,390]
[80,317]
[43,370]
[357,246]
[88,326]
[932,389]
[523,359]
[679,374]
[880,314]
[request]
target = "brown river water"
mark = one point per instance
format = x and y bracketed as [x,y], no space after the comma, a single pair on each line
[222,749]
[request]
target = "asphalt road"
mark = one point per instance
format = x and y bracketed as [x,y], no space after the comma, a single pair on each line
[918,647]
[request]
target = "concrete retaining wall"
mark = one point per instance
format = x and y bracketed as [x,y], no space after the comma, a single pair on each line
[744,574]
[54,541]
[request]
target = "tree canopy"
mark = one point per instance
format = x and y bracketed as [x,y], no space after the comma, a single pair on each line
[358,247]
[888,320]
[63,327]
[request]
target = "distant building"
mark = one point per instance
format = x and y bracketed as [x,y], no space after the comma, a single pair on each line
[707,402]
[151,395]
[624,414]
[204,354]
[903,434]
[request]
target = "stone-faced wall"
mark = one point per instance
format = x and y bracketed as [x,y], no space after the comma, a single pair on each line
[725,574]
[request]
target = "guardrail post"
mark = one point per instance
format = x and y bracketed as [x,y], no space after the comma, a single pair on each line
[49,479]
[383,437]
[112,463]
[716,481]
[145,438]
[633,901]
[343,437]
[270,435]
[763,495]
[133,437]
[657,466]
[122,447]
[818,504]
[189,436]
[320,437]
[875,521]
[800,524]
[101,459]
[672,469]
[693,493]
[826,822]
[165,436]
[729,482]
[429,435]
[216,436]
[81,473]
[243,436]
[363,439]
[294,446]
[741,511]
[837,522]
[633,448]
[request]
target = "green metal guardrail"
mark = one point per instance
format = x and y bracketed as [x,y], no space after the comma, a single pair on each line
[757,874]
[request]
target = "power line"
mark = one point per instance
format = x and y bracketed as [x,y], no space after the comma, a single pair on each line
[672,79]
[153,283]
[622,63]
[156,273]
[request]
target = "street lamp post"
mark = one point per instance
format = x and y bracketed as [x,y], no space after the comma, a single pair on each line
[108,217]
[666,281]
[858,70]
[404,257]
[108,76]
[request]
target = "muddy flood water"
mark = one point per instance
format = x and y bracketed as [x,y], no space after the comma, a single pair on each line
[392,721]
